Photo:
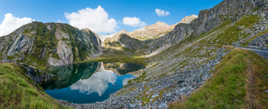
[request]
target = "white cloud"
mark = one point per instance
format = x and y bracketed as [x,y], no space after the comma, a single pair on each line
[95,19]
[133,21]
[11,23]
[160,12]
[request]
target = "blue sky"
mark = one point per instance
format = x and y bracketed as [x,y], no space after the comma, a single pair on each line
[54,10]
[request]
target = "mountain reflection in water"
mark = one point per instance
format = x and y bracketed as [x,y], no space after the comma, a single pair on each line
[84,83]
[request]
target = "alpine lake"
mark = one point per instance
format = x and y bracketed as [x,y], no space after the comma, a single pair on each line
[88,82]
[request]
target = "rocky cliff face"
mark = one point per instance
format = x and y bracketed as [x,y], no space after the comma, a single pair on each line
[211,18]
[228,9]
[50,44]
[206,21]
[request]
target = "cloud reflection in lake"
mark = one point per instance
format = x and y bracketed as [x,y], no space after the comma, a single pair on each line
[98,82]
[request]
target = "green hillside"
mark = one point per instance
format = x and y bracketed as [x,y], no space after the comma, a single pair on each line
[18,92]
[238,82]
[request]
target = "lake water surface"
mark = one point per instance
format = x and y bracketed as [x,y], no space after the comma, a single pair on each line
[85,83]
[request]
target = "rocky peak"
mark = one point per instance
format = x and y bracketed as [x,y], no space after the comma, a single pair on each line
[148,32]
[115,36]
[157,24]
[152,31]
[188,19]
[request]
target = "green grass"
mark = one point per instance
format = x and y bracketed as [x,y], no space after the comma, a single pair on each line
[227,89]
[18,91]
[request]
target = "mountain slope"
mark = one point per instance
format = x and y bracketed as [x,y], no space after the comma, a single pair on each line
[18,92]
[50,44]
[238,82]
[228,10]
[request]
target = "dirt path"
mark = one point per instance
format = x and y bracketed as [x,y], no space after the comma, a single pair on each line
[251,87]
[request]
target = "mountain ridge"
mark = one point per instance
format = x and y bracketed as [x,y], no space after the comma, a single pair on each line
[207,20]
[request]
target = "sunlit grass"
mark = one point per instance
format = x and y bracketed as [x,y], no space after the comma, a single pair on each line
[227,88]
[18,92]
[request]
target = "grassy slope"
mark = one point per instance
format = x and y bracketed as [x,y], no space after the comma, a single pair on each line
[18,92]
[201,47]
[239,82]
[235,32]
